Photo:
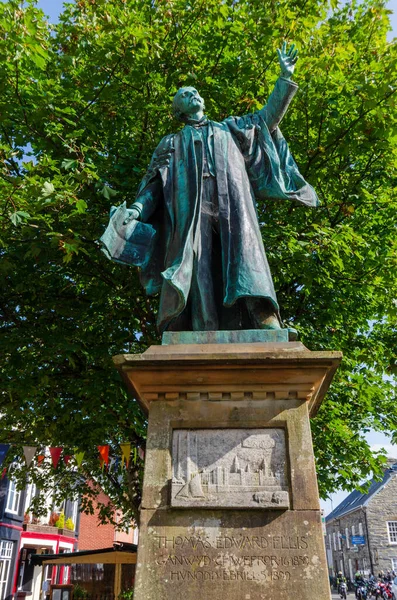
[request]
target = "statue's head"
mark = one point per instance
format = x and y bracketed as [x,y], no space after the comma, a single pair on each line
[187,102]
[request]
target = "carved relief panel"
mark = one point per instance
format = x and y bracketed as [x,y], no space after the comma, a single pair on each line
[229,468]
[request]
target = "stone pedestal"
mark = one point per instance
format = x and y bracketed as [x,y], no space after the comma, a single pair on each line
[230,503]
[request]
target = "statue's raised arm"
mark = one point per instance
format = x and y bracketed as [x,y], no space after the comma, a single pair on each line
[284,90]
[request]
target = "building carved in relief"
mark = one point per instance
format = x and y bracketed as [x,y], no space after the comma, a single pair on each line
[239,468]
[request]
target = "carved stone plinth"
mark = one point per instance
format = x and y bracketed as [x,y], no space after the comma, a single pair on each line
[230,503]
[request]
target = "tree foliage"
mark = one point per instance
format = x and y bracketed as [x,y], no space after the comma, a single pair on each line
[82,106]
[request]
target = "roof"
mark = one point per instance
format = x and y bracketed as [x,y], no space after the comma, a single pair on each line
[357,499]
[102,555]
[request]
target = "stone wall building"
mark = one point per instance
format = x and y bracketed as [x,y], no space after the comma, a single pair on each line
[361,532]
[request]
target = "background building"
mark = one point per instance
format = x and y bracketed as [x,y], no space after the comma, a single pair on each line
[21,535]
[361,532]
[93,536]
[12,504]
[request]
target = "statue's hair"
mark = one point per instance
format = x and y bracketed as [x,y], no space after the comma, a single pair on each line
[178,114]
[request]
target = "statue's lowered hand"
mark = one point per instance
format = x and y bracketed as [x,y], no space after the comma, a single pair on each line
[126,240]
[287,60]
[133,214]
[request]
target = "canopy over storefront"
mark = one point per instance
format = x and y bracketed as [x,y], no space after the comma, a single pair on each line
[96,569]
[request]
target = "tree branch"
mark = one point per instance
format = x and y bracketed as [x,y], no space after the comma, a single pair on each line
[100,90]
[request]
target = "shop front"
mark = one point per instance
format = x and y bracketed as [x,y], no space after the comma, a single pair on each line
[105,574]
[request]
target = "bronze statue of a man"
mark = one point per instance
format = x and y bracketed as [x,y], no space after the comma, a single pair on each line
[208,260]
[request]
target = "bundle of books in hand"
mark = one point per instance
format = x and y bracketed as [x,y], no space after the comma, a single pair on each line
[127,240]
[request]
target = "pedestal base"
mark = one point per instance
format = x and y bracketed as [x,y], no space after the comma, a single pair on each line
[230,502]
[238,555]
[241,336]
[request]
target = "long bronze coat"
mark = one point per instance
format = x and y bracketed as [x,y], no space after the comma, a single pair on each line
[251,159]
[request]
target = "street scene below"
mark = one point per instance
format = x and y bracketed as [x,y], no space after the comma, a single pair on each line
[383,586]
[361,539]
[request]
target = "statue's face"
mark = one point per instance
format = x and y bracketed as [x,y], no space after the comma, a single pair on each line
[188,101]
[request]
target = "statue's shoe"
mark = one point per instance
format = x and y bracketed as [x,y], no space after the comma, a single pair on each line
[270,322]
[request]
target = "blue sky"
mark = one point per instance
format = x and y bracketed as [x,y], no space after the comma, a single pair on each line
[376,441]
[52,8]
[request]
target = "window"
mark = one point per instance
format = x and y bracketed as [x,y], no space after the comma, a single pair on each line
[30,494]
[61,594]
[392,531]
[5,564]
[330,541]
[25,580]
[394,564]
[6,549]
[334,538]
[65,575]
[47,577]
[59,508]
[13,498]
[353,530]
[360,529]
[75,512]
[339,542]
[347,537]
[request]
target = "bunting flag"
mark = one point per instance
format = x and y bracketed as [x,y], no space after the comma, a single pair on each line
[125,454]
[3,473]
[29,452]
[104,454]
[79,458]
[55,455]
[4,448]
[128,453]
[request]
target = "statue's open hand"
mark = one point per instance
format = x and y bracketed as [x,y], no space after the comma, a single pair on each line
[287,60]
